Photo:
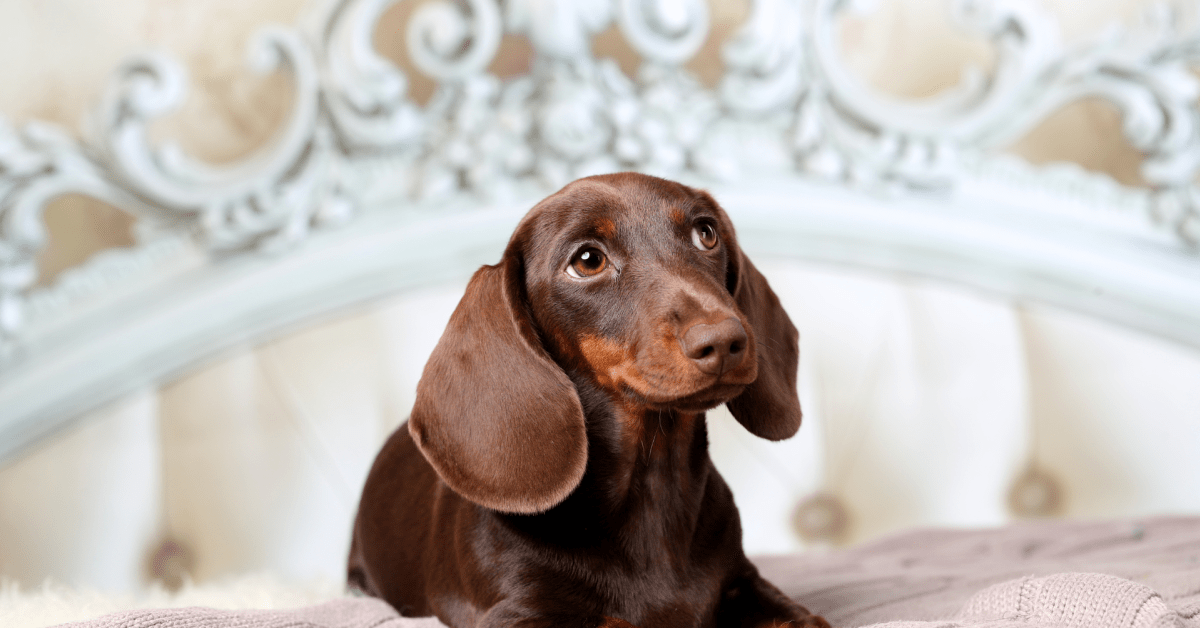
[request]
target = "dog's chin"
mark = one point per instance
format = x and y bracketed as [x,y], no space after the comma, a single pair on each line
[701,401]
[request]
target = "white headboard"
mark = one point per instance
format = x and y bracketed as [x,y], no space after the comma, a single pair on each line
[364,193]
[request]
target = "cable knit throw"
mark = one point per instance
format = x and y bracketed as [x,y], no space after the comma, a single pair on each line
[1039,575]
[1053,575]
[1073,599]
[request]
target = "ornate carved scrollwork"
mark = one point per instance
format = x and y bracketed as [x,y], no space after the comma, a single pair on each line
[843,130]
[270,199]
[37,164]
[786,99]
[365,94]
[787,53]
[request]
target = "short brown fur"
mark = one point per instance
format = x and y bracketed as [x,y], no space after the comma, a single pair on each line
[555,468]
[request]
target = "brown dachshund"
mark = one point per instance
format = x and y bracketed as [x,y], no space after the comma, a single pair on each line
[555,468]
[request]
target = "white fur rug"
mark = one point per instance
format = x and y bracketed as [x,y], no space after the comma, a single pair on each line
[54,603]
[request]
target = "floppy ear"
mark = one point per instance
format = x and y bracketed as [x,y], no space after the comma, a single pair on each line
[769,407]
[496,418]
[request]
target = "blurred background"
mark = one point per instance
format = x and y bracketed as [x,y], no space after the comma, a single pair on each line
[926,403]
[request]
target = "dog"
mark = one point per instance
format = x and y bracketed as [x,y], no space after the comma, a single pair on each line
[554,471]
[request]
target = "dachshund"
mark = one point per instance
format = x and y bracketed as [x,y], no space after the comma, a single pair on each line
[554,471]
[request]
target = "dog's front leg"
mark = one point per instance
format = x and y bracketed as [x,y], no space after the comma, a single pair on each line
[512,615]
[752,602]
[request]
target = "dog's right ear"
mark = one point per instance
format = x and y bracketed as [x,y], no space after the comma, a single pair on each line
[497,419]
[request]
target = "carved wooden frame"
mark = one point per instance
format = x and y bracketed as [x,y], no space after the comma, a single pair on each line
[364,193]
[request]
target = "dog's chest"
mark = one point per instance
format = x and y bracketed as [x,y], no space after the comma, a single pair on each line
[665,598]
[662,575]
[679,541]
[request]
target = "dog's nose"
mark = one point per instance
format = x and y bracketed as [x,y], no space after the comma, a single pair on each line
[715,348]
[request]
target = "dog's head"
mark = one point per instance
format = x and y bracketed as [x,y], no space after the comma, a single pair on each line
[637,283]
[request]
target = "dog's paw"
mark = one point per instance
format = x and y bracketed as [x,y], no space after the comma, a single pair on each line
[613,622]
[811,621]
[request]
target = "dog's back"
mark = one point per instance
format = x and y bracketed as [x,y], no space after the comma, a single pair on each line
[393,527]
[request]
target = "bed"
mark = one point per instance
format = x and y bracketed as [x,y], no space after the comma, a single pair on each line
[985,340]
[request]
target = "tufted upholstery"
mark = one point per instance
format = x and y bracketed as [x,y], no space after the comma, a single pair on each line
[922,403]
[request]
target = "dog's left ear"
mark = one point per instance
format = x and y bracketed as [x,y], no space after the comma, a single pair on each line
[497,419]
[769,407]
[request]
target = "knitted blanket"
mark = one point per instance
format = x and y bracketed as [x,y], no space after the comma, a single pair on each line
[1143,574]
[1044,575]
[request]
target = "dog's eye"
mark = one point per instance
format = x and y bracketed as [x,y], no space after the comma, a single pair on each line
[704,236]
[587,263]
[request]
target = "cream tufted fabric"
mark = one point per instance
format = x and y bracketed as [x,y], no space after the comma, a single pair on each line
[923,403]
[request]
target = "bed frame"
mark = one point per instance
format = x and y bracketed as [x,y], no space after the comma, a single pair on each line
[363,193]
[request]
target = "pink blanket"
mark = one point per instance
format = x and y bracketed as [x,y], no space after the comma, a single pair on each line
[1094,575]
[1135,574]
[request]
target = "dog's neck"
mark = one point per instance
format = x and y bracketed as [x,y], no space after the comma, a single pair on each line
[653,456]
[636,453]
[646,477]
[657,477]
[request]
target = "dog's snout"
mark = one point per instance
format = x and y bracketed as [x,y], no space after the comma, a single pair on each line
[715,348]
